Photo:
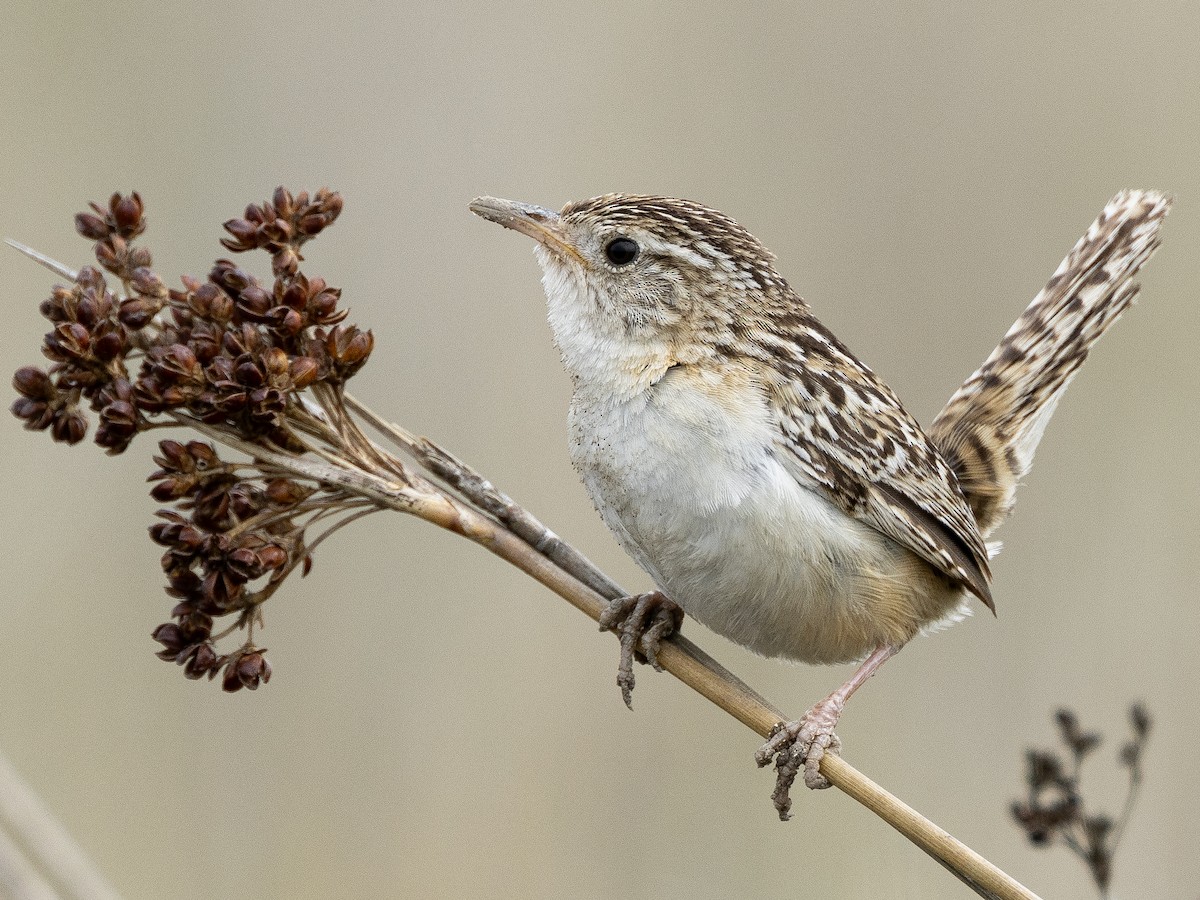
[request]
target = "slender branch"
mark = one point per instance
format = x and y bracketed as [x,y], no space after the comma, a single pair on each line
[1135,784]
[18,875]
[481,492]
[497,531]
[706,676]
[36,851]
[338,525]
[457,498]
[42,259]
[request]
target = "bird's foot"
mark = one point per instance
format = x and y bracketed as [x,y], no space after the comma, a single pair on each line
[800,745]
[643,622]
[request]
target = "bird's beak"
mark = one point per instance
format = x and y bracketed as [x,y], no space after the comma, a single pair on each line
[543,225]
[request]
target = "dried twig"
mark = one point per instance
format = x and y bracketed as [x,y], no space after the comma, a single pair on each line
[1054,810]
[39,860]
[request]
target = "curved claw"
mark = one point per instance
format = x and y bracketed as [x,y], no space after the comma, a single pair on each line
[803,742]
[801,745]
[643,622]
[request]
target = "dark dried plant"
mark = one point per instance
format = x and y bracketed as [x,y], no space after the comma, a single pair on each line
[1054,811]
[262,363]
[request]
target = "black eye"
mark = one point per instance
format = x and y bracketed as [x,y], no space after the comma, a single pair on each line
[621,251]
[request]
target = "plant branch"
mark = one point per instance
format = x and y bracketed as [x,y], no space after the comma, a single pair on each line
[37,852]
[488,517]
[347,466]
[43,260]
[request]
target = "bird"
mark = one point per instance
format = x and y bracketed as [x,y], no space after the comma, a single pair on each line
[772,486]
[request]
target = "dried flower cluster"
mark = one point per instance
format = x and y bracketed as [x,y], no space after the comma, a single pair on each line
[234,354]
[1054,810]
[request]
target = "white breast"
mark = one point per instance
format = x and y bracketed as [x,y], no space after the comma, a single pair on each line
[692,488]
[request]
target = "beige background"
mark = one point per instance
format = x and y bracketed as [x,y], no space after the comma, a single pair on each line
[439,725]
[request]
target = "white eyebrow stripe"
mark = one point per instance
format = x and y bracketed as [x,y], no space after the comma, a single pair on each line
[695,257]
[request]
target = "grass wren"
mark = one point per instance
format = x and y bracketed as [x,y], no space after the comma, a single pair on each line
[770,484]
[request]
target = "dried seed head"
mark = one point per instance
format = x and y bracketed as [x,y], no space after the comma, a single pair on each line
[1140,719]
[33,383]
[126,215]
[247,669]
[202,661]
[1054,811]
[69,426]
[230,351]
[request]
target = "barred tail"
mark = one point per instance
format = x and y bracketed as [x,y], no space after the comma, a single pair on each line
[991,426]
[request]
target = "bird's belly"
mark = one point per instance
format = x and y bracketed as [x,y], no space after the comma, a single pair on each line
[703,504]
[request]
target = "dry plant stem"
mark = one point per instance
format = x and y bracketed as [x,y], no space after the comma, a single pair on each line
[702,673]
[37,852]
[462,501]
[482,493]
[43,260]
[540,553]
[968,866]
[18,875]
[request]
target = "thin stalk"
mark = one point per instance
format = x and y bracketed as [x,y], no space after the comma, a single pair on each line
[38,852]
[461,500]
[679,656]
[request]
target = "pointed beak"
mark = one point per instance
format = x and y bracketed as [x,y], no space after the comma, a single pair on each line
[543,225]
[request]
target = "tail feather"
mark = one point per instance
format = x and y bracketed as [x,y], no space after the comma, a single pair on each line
[991,426]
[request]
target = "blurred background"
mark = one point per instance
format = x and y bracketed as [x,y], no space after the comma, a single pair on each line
[441,726]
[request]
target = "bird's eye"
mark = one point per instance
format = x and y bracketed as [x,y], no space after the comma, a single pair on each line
[621,251]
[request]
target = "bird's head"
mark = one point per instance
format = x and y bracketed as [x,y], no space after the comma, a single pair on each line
[636,284]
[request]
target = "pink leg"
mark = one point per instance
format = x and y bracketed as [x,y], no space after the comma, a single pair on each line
[802,743]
